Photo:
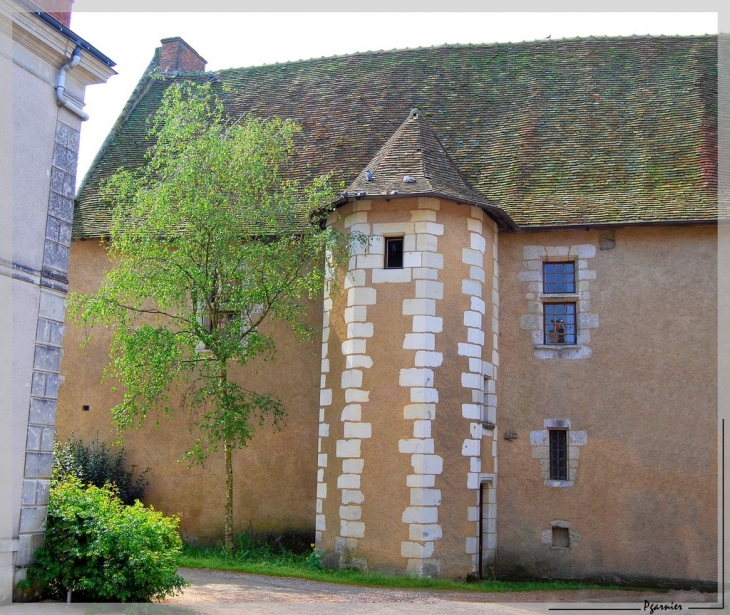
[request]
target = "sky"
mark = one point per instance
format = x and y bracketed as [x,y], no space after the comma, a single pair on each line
[232,40]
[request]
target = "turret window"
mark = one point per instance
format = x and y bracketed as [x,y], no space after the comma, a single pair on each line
[394,253]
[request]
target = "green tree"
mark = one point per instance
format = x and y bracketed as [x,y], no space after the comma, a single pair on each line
[208,240]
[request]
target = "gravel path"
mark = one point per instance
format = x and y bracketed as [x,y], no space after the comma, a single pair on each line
[226,593]
[217,592]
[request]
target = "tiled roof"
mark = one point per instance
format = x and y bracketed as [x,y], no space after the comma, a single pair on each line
[413,162]
[556,133]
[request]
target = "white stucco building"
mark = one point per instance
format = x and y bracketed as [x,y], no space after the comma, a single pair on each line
[44,71]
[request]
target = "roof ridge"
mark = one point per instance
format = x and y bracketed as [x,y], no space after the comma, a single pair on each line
[372,52]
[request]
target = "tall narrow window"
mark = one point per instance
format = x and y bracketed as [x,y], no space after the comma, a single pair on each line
[394,253]
[559,325]
[558,454]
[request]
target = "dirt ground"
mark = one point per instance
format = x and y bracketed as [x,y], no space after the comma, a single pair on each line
[229,592]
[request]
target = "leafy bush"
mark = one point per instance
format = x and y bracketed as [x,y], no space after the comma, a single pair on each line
[315,559]
[97,465]
[103,550]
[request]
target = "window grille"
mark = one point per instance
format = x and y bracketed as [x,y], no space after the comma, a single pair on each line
[558,277]
[558,454]
[559,325]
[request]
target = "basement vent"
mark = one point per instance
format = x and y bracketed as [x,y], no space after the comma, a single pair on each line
[561,537]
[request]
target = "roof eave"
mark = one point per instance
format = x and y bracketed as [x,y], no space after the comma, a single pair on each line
[618,224]
[497,214]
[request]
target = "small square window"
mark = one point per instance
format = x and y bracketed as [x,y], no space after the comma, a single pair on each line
[558,277]
[561,537]
[558,454]
[559,325]
[394,253]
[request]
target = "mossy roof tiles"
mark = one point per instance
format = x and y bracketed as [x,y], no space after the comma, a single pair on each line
[555,133]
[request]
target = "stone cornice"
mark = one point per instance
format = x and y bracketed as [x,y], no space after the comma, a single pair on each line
[48,45]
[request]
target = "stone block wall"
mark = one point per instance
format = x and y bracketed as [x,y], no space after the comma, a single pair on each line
[53,282]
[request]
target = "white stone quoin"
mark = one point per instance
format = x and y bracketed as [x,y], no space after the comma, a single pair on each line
[422,514]
[479,379]
[354,349]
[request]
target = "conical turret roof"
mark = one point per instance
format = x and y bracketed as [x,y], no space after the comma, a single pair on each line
[414,163]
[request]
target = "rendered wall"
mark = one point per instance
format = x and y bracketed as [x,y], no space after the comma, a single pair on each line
[642,402]
[274,478]
[396,476]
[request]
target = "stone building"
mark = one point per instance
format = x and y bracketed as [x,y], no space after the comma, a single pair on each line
[518,376]
[44,69]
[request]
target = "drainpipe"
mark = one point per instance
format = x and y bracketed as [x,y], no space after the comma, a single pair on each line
[63,101]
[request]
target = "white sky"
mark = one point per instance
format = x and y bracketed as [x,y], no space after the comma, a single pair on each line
[230,40]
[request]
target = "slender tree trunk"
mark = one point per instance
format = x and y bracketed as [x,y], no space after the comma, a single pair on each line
[228,531]
[227,450]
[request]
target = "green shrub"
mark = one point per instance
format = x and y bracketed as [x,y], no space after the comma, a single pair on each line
[103,550]
[315,559]
[97,465]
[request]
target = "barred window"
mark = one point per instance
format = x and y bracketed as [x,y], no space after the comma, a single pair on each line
[558,277]
[559,325]
[558,454]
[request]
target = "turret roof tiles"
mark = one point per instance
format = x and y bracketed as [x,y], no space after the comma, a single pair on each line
[413,162]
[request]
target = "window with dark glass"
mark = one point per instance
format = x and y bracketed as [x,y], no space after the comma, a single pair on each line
[559,323]
[394,253]
[558,454]
[558,277]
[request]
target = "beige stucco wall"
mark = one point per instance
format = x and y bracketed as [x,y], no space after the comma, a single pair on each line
[641,402]
[274,478]
[644,499]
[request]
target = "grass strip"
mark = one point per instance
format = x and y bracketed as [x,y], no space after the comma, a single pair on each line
[291,565]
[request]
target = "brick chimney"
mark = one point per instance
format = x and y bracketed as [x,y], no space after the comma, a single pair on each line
[60,9]
[176,56]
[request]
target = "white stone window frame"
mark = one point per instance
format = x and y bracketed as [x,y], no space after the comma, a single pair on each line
[535,259]
[540,442]
[574,537]
[544,298]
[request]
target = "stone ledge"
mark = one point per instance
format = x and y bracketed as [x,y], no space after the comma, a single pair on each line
[558,297]
[559,483]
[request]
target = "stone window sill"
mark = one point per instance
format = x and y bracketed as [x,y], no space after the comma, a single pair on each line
[555,346]
[559,297]
[559,483]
